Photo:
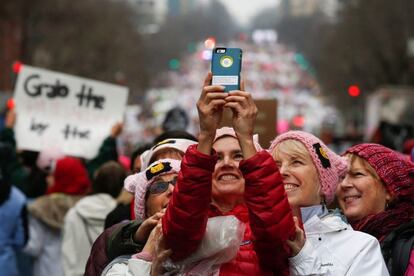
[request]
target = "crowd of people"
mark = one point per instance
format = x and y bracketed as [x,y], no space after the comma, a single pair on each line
[218,204]
[271,70]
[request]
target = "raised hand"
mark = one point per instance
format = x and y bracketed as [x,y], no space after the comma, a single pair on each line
[210,111]
[10,119]
[244,112]
[244,116]
[116,129]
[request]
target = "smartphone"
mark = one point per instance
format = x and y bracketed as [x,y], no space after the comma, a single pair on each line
[226,67]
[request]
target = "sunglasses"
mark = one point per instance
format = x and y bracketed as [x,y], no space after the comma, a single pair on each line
[161,187]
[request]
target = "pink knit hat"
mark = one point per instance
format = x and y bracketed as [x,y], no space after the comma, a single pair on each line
[395,171]
[330,166]
[139,183]
[229,131]
[172,143]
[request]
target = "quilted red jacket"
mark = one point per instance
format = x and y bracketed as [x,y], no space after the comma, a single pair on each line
[266,213]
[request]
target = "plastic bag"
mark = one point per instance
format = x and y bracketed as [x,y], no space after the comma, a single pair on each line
[219,245]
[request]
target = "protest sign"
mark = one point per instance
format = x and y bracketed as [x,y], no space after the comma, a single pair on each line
[59,110]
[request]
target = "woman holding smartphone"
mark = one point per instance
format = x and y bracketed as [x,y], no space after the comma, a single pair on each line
[227,174]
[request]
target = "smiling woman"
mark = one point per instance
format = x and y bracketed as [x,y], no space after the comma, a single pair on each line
[361,193]
[300,174]
[377,197]
[310,174]
[228,181]
[228,174]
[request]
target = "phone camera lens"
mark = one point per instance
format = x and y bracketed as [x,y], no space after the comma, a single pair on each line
[226,61]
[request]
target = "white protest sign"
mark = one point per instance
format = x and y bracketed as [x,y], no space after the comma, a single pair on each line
[60,110]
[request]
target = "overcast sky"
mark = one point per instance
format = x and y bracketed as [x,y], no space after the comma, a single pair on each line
[244,10]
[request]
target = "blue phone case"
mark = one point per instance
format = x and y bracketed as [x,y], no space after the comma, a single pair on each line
[226,67]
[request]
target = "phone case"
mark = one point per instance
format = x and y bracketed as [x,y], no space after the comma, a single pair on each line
[226,67]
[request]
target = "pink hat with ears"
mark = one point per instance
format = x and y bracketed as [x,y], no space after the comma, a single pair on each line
[139,183]
[229,131]
[330,166]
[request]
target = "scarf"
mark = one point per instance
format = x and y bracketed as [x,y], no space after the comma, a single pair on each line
[382,224]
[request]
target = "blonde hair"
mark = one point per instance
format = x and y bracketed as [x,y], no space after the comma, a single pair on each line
[353,158]
[296,149]
[293,147]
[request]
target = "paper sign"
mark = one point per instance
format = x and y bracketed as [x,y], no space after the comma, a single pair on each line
[60,110]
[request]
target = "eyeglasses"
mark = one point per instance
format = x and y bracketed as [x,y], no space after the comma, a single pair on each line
[161,187]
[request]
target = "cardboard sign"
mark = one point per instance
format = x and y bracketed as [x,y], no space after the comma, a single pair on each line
[60,110]
[265,124]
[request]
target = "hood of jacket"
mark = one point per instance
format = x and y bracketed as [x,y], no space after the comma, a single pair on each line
[95,208]
[51,209]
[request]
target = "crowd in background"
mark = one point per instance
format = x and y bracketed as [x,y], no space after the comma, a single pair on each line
[270,71]
[218,204]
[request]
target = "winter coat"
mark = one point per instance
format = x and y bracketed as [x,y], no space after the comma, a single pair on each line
[83,224]
[266,214]
[332,247]
[46,216]
[220,244]
[31,181]
[13,231]
[113,242]
[398,250]
[23,178]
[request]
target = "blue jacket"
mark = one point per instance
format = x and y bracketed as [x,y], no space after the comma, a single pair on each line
[13,231]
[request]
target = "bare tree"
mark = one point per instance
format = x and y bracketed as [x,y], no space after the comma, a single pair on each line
[177,32]
[368,47]
[90,38]
[11,21]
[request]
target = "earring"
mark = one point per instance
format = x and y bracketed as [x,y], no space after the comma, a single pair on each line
[323,203]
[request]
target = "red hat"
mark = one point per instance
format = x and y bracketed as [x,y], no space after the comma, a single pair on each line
[395,171]
[71,177]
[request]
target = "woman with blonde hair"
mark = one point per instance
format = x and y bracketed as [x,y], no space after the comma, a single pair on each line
[311,173]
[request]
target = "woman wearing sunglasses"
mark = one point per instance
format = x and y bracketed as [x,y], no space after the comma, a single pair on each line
[153,189]
[127,238]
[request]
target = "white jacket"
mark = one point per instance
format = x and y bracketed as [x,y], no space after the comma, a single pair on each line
[83,224]
[45,245]
[134,267]
[332,247]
